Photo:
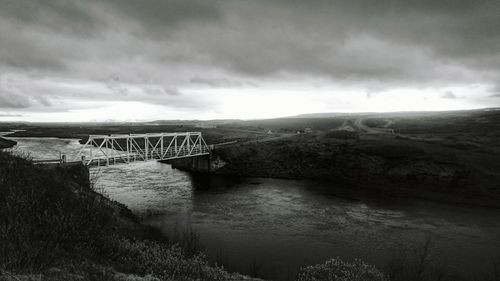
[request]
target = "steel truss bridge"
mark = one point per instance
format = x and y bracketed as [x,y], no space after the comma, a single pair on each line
[115,149]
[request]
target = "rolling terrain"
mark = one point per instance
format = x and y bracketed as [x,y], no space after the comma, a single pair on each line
[451,156]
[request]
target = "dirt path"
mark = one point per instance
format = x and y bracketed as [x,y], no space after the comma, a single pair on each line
[359,123]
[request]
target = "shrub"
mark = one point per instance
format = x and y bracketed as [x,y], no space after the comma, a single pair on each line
[338,270]
[342,134]
[163,261]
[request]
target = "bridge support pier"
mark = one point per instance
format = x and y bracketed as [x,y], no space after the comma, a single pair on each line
[208,164]
[199,164]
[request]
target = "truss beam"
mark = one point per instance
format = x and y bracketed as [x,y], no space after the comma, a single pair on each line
[116,149]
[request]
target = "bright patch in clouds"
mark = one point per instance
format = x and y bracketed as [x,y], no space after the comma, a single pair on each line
[77,101]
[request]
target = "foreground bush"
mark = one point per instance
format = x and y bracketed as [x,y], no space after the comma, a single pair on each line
[165,262]
[337,270]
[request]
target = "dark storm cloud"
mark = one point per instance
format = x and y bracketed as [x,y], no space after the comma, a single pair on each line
[398,41]
[439,24]
[165,14]
[59,15]
[384,40]
[162,45]
[22,52]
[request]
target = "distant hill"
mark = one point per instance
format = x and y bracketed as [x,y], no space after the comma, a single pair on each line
[390,114]
[329,115]
[193,122]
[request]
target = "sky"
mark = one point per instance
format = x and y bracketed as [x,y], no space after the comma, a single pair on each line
[129,60]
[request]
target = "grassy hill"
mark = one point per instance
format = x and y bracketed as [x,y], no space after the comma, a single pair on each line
[446,156]
[395,166]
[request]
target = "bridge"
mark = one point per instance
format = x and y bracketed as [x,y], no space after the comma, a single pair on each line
[108,150]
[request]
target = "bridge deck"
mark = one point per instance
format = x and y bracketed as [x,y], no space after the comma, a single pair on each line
[133,158]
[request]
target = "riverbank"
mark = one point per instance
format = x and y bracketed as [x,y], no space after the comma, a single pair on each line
[5,143]
[386,165]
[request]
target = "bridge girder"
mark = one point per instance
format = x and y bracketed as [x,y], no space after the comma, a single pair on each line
[122,148]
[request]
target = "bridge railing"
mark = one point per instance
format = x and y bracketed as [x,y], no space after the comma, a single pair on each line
[121,148]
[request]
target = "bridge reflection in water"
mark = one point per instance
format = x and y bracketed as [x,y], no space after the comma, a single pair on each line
[123,148]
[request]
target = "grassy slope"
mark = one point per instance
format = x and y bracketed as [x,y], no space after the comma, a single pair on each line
[53,223]
[470,130]
[397,166]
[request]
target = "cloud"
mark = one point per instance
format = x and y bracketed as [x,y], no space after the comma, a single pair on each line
[495,89]
[154,51]
[390,41]
[220,82]
[162,91]
[46,93]
[449,95]
[161,15]
[10,115]
[57,15]
[9,100]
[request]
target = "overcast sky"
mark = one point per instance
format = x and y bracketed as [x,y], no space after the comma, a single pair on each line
[91,60]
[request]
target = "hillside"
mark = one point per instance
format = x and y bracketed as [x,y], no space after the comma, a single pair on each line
[396,166]
[54,226]
[445,156]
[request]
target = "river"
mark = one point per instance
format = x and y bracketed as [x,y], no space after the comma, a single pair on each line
[271,227]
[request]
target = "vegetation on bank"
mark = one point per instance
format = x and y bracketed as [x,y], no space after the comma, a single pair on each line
[55,226]
[383,163]
[5,143]
[337,269]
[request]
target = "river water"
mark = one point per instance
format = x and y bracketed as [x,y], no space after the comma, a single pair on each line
[271,227]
